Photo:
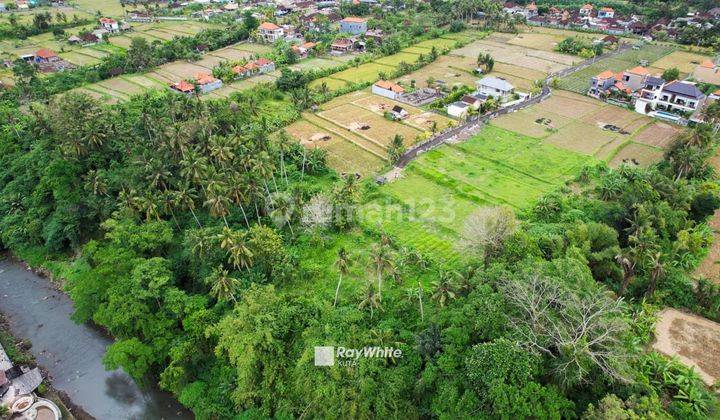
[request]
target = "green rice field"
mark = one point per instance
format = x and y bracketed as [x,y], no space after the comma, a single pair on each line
[496,167]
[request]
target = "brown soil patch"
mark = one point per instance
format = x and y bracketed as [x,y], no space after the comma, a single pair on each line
[694,340]
[659,134]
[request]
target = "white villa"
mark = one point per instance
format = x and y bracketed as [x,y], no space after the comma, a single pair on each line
[495,87]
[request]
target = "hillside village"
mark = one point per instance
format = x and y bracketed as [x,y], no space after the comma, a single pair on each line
[506,209]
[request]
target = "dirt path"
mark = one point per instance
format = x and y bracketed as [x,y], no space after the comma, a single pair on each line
[694,340]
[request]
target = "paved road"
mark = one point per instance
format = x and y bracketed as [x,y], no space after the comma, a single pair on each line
[473,125]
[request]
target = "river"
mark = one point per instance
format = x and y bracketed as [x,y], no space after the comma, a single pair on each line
[73,353]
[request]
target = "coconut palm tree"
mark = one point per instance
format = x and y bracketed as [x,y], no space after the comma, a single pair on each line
[200,241]
[282,210]
[224,286]
[185,197]
[381,260]
[238,194]
[240,255]
[370,299]
[444,289]
[217,201]
[656,265]
[343,265]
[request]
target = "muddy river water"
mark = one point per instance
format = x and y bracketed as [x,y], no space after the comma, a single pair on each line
[73,353]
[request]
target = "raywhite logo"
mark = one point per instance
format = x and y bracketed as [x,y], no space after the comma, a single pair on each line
[325,355]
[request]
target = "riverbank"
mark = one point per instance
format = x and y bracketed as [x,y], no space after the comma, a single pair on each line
[36,310]
[18,351]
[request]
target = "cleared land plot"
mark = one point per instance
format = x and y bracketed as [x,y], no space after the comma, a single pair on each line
[544,61]
[370,125]
[579,81]
[523,72]
[581,138]
[121,85]
[692,339]
[625,119]
[230,54]
[184,70]
[537,41]
[442,69]
[253,48]
[636,154]
[417,117]
[659,134]
[683,61]
[438,43]
[571,105]
[534,121]
[343,154]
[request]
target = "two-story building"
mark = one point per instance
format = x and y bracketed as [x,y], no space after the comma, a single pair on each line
[270,32]
[354,25]
[110,25]
[635,77]
[680,96]
[606,13]
[601,83]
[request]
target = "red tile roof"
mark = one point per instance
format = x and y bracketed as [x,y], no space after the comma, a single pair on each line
[45,53]
[263,61]
[605,75]
[639,70]
[204,78]
[352,19]
[269,26]
[183,86]
[107,20]
[384,84]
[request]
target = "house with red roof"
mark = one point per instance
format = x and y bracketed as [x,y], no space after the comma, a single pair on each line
[207,82]
[264,65]
[186,88]
[586,10]
[341,46]
[606,13]
[45,55]
[602,83]
[387,89]
[109,24]
[270,32]
[302,50]
[635,77]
